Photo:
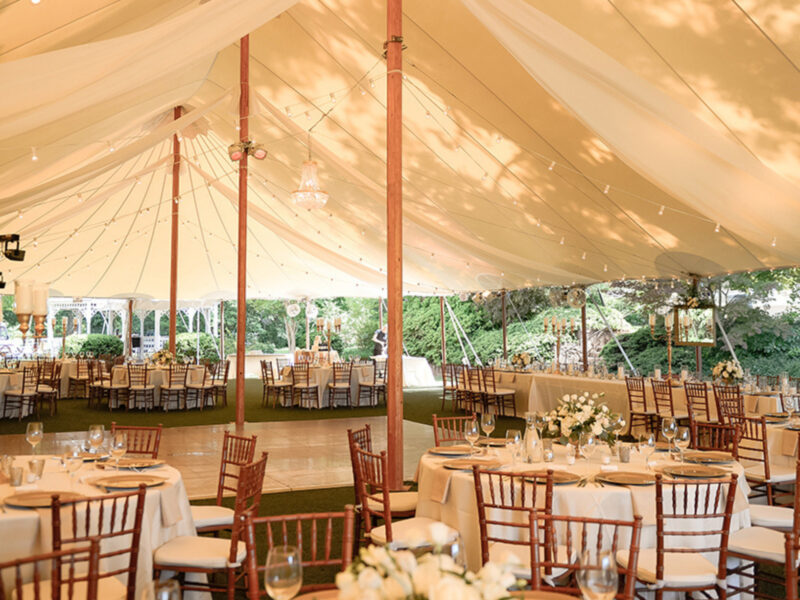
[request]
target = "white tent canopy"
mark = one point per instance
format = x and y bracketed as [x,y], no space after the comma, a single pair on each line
[544,142]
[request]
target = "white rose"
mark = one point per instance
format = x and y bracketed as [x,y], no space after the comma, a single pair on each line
[565,398]
[345,579]
[376,556]
[369,579]
[425,577]
[449,587]
[605,408]
[441,534]
[597,429]
[397,587]
[406,561]
[574,396]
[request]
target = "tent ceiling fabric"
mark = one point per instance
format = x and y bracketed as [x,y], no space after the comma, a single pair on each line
[513,176]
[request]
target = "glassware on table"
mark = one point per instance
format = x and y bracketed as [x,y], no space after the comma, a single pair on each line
[540,421]
[5,464]
[169,589]
[119,446]
[587,445]
[488,422]
[647,445]
[15,476]
[669,427]
[34,434]
[472,433]
[547,450]
[36,468]
[682,439]
[513,443]
[597,575]
[283,576]
[96,436]
[457,551]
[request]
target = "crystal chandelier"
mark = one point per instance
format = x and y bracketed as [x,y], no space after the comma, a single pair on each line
[308,194]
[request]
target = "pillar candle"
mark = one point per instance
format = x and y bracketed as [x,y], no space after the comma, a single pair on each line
[40,295]
[23,294]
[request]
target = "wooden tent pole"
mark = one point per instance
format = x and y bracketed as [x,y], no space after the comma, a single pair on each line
[584,345]
[130,327]
[505,330]
[308,329]
[394,238]
[222,330]
[173,261]
[241,291]
[444,343]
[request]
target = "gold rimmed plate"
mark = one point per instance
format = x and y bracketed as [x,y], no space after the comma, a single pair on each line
[626,478]
[694,471]
[662,447]
[40,499]
[450,450]
[559,477]
[712,457]
[466,464]
[135,463]
[92,457]
[775,419]
[127,482]
[491,442]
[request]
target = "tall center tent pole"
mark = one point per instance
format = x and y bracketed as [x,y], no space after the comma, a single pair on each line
[173,262]
[241,288]
[394,237]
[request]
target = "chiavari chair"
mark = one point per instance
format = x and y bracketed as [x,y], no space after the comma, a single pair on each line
[142,441]
[140,390]
[340,385]
[641,415]
[714,437]
[278,390]
[79,383]
[48,388]
[502,398]
[302,388]
[175,390]
[449,385]
[371,391]
[220,383]
[697,401]
[21,401]
[450,429]
[662,393]
[729,402]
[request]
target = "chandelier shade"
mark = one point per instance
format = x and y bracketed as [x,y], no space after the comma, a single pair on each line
[308,194]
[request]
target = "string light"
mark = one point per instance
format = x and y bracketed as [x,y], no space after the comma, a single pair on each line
[716,229]
[308,115]
[606,189]
[372,83]
[484,177]
[363,91]
[661,211]
[605,268]
[288,112]
[34,157]
[498,139]
[562,240]
[583,256]
[111,147]
[552,166]
[774,241]
[333,97]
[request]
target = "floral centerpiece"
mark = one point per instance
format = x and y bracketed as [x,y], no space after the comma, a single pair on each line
[582,414]
[162,358]
[727,371]
[520,360]
[384,574]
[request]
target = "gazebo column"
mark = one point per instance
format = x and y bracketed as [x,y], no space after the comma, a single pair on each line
[444,343]
[505,329]
[157,330]
[394,238]
[583,339]
[173,260]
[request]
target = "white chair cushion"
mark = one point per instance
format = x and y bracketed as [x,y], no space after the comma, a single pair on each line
[18,392]
[502,392]
[409,533]
[305,385]
[197,551]
[398,501]
[680,570]
[758,542]
[343,386]
[107,587]
[272,385]
[777,473]
[45,389]
[518,558]
[211,516]
[174,388]
[774,517]
[142,388]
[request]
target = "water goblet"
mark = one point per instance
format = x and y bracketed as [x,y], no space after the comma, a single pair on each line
[682,439]
[487,423]
[647,445]
[283,575]
[34,434]
[513,442]
[96,435]
[119,446]
[669,427]
[597,575]
[587,445]
[471,434]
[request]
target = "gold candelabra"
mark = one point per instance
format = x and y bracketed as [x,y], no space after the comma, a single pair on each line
[328,327]
[669,320]
[24,325]
[558,328]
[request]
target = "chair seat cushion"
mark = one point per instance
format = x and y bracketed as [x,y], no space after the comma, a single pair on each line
[198,386]
[173,388]
[277,384]
[45,389]
[107,587]
[305,386]
[142,388]
[398,501]
[211,516]
[341,386]
[758,543]
[777,473]
[410,533]
[370,384]
[518,557]
[501,392]
[774,517]
[197,551]
[19,392]
[680,570]
[115,386]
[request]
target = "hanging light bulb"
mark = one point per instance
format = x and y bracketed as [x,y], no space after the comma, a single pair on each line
[716,229]
[34,156]
[552,166]
[308,194]
[661,211]
[606,189]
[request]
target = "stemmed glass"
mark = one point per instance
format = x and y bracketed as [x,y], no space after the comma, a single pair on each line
[588,443]
[283,576]
[597,575]
[682,439]
[72,462]
[513,442]
[119,445]
[471,434]
[669,427]
[96,436]
[539,422]
[647,445]
[487,423]
[34,434]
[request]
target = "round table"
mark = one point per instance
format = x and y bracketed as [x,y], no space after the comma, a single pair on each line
[26,531]
[529,595]
[449,496]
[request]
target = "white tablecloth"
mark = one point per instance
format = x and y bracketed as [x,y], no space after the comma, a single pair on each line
[158,378]
[454,502]
[322,376]
[166,514]
[418,373]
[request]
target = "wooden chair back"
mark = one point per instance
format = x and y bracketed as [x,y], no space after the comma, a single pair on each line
[83,368]
[311,533]
[488,380]
[280,363]
[237,451]
[221,374]
[142,441]
[29,379]
[567,538]
[662,393]
[450,429]
[55,377]
[45,367]
[505,500]
[177,374]
[248,499]
[137,375]
[697,400]
[64,570]
[341,373]
[637,400]
[115,520]
[715,436]
[689,509]
[449,376]
[362,437]
[300,374]
[752,444]
[729,402]
[475,380]
[372,484]
[378,371]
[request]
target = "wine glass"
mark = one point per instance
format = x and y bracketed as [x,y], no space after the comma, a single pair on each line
[487,423]
[647,445]
[283,576]
[73,461]
[588,443]
[472,433]
[34,434]
[669,427]
[96,436]
[597,575]
[119,445]
[539,422]
[682,439]
[513,442]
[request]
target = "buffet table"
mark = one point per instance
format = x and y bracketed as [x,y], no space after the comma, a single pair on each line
[449,495]
[166,514]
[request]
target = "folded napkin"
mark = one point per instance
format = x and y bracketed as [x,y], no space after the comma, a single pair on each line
[440,486]
[788,442]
